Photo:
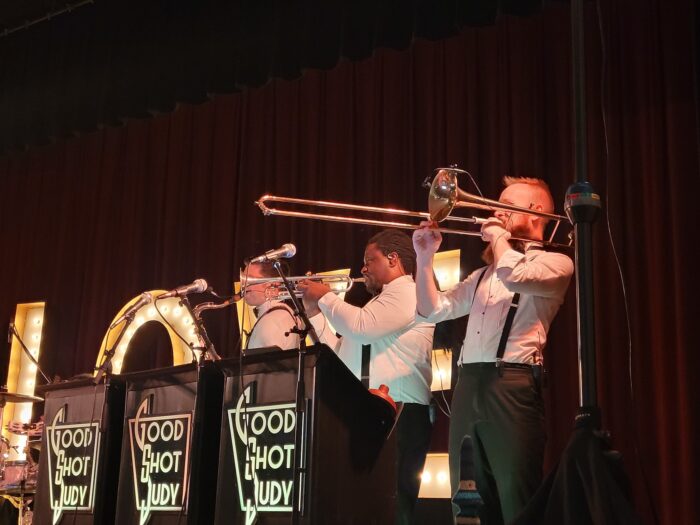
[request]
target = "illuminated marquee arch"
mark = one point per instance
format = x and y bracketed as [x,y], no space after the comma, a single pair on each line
[177,315]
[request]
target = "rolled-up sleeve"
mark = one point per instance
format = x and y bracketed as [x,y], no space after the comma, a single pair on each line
[546,275]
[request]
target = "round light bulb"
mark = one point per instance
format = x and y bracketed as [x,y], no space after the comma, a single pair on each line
[426,477]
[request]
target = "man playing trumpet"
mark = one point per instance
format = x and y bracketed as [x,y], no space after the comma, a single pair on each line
[511,303]
[382,343]
[275,319]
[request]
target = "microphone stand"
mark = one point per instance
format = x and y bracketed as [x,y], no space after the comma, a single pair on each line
[204,343]
[206,347]
[13,332]
[106,366]
[300,398]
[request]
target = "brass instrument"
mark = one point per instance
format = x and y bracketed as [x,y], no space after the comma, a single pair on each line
[445,195]
[337,283]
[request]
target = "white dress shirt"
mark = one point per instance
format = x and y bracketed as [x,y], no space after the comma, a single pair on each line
[270,328]
[401,346]
[540,277]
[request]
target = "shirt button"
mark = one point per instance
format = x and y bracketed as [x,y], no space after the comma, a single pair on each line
[478,332]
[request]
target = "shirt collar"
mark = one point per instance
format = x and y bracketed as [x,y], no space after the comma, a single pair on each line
[398,281]
[533,245]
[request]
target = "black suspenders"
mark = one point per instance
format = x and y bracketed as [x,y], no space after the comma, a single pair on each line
[506,332]
[364,374]
[366,356]
[249,334]
[506,327]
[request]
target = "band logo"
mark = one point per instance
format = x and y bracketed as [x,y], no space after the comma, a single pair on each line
[73,455]
[160,447]
[262,438]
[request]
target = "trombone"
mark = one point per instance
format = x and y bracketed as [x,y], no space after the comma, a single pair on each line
[444,196]
[337,283]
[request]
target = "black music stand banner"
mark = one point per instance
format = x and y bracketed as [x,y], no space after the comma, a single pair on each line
[79,453]
[168,467]
[350,465]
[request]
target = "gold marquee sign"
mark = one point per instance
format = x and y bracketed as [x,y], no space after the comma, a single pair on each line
[170,313]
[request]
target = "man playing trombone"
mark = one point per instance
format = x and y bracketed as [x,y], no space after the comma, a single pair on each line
[512,302]
[274,318]
[382,343]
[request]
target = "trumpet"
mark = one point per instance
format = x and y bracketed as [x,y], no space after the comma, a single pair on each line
[337,283]
[445,195]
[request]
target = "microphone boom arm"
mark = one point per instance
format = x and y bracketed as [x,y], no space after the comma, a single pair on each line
[13,331]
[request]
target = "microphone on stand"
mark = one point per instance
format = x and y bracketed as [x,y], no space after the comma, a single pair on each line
[198,286]
[145,299]
[286,251]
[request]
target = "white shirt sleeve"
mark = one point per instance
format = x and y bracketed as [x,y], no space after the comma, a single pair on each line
[324,332]
[392,311]
[455,302]
[545,275]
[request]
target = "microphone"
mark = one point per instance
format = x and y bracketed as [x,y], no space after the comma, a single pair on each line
[145,299]
[287,251]
[198,286]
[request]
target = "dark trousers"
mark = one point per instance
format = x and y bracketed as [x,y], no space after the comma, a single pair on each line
[413,437]
[504,415]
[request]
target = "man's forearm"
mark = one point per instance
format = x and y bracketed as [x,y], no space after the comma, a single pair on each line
[426,291]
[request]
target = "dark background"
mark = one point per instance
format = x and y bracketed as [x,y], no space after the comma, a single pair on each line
[135,137]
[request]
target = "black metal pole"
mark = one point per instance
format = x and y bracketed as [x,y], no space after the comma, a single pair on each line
[299,468]
[106,367]
[15,333]
[582,206]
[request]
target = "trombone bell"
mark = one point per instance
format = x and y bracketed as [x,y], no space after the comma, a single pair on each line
[443,195]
